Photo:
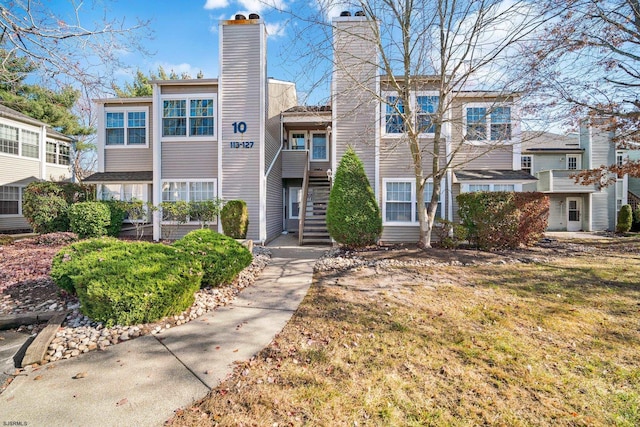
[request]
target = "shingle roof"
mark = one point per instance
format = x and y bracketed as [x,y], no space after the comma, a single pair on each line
[16,115]
[493,175]
[309,109]
[140,176]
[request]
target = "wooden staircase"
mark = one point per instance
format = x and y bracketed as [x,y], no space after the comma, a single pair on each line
[314,226]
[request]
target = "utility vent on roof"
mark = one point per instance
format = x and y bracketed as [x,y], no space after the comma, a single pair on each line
[239,17]
[360,13]
[345,13]
[254,16]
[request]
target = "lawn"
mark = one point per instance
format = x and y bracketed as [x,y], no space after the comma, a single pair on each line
[550,342]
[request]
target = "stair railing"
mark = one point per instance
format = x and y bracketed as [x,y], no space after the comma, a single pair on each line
[303,202]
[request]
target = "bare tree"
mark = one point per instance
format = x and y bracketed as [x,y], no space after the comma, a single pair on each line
[588,62]
[62,45]
[448,46]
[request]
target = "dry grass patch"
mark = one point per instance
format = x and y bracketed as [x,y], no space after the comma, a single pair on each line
[506,344]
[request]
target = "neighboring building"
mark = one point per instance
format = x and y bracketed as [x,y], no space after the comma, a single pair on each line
[555,159]
[29,151]
[243,136]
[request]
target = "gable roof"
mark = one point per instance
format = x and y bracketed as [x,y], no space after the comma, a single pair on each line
[12,114]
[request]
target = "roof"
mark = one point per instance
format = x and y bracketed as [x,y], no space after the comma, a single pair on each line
[493,175]
[309,109]
[551,142]
[10,113]
[185,82]
[116,100]
[139,176]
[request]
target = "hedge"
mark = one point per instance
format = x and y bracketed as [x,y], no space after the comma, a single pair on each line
[235,219]
[45,208]
[503,219]
[89,219]
[221,256]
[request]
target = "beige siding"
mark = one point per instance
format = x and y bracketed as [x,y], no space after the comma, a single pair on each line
[294,163]
[400,234]
[355,106]
[281,97]
[13,223]
[189,159]
[57,172]
[274,200]
[484,157]
[241,96]
[14,169]
[128,159]
[187,89]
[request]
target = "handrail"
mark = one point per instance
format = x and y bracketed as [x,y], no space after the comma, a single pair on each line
[303,203]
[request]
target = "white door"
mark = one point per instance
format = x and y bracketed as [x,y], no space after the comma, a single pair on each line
[574,214]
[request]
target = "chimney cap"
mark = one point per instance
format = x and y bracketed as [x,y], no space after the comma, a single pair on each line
[360,13]
[254,16]
[345,13]
[240,16]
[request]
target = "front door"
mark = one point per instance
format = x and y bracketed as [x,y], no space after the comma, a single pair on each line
[574,214]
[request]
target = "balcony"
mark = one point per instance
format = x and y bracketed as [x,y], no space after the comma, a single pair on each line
[294,163]
[561,181]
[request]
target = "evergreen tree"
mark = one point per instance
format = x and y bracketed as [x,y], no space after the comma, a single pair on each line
[353,216]
[141,85]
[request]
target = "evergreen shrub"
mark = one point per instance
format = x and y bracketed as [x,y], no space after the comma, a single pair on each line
[89,219]
[221,256]
[353,216]
[235,219]
[636,220]
[625,219]
[45,208]
[117,214]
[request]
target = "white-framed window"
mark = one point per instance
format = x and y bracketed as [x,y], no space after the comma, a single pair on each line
[125,192]
[484,122]
[573,163]
[126,127]
[8,139]
[425,105]
[57,153]
[526,164]
[399,204]
[30,144]
[297,141]
[477,187]
[189,190]
[295,194]
[319,149]
[10,200]
[188,116]
[620,158]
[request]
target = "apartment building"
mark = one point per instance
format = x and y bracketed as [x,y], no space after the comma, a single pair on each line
[244,136]
[30,150]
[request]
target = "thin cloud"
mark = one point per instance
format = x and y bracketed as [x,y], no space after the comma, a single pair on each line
[216,4]
[276,30]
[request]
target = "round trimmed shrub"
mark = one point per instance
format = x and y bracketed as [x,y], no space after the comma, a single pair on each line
[135,282]
[89,219]
[625,219]
[67,263]
[221,256]
[45,207]
[353,216]
[235,219]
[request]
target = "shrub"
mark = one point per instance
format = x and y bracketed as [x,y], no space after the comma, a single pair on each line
[174,214]
[74,192]
[139,213]
[353,216]
[235,219]
[53,239]
[625,219]
[221,256]
[448,234]
[45,208]
[66,263]
[503,219]
[132,282]
[89,219]
[205,212]
[636,220]
[117,214]
[5,240]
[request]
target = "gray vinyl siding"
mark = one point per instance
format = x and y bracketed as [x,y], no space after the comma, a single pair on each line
[354,107]
[400,234]
[274,200]
[604,209]
[281,97]
[557,212]
[545,162]
[634,186]
[294,163]
[187,89]
[487,158]
[128,159]
[13,169]
[189,159]
[241,99]
[13,223]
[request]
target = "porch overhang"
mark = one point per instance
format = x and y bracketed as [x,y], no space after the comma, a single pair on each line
[139,177]
[493,175]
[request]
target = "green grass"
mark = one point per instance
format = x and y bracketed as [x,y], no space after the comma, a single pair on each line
[508,344]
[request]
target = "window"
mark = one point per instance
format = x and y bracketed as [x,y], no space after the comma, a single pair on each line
[123,192]
[200,191]
[30,144]
[425,109]
[525,164]
[297,141]
[319,147]
[8,139]
[200,117]
[393,118]
[126,127]
[295,193]
[504,187]
[619,158]
[484,123]
[64,156]
[572,162]
[10,200]
[52,149]
[474,188]
[400,201]
[189,191]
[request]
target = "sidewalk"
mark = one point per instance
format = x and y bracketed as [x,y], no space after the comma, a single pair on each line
[142,381]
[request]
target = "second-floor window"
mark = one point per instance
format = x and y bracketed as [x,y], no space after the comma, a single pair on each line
[30,144]
[488,123]
[425,108]
[572,162]
[128,127]
[58,153]
[394,118]
[8,139]
[194,115]
[525,164]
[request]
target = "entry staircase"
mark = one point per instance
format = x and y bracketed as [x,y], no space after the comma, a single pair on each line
[313,221]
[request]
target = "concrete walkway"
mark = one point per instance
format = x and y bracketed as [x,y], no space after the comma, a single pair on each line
[142,381]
